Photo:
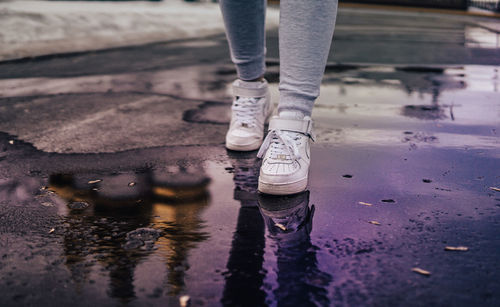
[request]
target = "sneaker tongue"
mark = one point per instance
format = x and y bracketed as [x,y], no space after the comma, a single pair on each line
[244,110]
[245,100]
[280,149]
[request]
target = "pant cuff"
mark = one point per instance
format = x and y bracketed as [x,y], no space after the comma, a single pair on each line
[251,70]
[293,102]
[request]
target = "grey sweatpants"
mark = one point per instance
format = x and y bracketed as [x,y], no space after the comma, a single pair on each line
[305,35]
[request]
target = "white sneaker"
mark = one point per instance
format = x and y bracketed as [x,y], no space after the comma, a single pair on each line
[286,156]
[251,109]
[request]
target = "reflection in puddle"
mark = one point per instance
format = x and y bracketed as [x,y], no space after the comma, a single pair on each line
[376,104]
[244,276]
[480,37]
[288,220]
[130,217]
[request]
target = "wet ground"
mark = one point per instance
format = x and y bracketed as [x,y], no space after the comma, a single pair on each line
[116,188]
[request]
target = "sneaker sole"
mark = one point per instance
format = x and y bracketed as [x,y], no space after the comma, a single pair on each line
[249,147]
[283,188]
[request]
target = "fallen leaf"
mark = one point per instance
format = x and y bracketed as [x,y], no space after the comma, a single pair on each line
[421,271]
[495,189]
[184,300]
[131,184]
[456,248]
[280,226]
[375,223]
[94,181]
[365,204]
[52,230]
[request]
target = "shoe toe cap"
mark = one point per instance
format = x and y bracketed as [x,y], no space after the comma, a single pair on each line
[280,170]
[241,137]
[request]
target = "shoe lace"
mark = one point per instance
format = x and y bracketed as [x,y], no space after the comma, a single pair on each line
[281,143]
[244,110]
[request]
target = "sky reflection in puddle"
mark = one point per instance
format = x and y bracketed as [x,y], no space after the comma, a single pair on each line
[452,107]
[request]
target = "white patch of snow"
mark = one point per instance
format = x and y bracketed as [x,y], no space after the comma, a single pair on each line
[33,28]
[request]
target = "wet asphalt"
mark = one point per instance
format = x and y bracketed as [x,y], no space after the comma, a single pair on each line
[116,188]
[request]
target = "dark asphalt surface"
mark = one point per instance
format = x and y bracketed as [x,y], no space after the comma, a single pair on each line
[116,188]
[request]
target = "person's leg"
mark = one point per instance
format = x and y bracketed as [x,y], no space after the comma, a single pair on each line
[244,21]
[305,35]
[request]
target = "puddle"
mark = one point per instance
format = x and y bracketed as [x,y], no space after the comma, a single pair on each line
[210,112]
[481,37]
[394,179]
[151,225]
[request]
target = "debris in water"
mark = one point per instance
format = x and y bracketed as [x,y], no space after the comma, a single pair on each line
[94,181]
[426,180]
[131,184]
[495,189]
[184,300]
[142,237]
[78,205]
[52,230]
[11,142]
[347,176]
[388,200]
[421,271]
[365,204]
[456,248]
[375,223]
[280,226]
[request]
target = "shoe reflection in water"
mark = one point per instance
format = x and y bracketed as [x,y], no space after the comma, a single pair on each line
[245,276]
[289,222]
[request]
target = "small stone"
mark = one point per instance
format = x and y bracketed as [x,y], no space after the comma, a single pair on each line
[495,189]
[375,223]
[11,142]
[131,184]
[78,205]
[52,230]
[132,244]
[94,181]
[142,237]
[347,176]
[47,204]
[426,180]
